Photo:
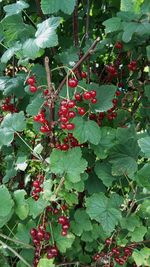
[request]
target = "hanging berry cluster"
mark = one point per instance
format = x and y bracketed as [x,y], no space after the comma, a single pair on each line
[31,82]
[8,106]
[37,187]
[117,254]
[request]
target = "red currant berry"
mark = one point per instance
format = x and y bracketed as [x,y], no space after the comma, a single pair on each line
[83,75]
[70,126]
[87,95]
[65,227]
[71,114]
[63,126]
[47,236]
[94,101]
[33,89]
[63,119]
[33,232]
[93,93]
[64,233]
[81,111]
[36,183]
[78,96]
[71,104]
[72,82]
[64,147]
[44,129]
[119,45]
[31,80]
[118,93]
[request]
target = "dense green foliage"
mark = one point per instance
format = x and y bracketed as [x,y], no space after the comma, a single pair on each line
[74,133]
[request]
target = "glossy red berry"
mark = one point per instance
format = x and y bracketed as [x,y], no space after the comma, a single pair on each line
[64,119]
[31,80]
[71,114]
[62,220]
[64,147]
[118,93]
[81,111]
[93,93]
[47,236]
[65,226]
[44,129]
[33,89]
[64,233]
[87,95]
[78,96]
[33,232]
[93,100]
[83,75]
[36,183]
[70,126]
[71,104]
[72,82]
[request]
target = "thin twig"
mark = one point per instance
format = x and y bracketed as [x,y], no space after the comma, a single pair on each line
[59,186]
[38,4]
[75,25]
[83,58]
[16,241]
[5,246]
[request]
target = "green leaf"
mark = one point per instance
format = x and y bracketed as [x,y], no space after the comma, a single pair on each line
[53,6]
[21,205]
[81,223]
[36,207]
[46,33]
[23,231]
[10,52]
[101,209]
[6,201]
[138,234]
[108,140]
[129,30]
[21,163]
[143,177]
[103,171]
[127,5]
[35,105]
[86,131]
[130,223]
[147,91]
[105,94]
[63,242]
[30,49]
[69,56]
[16,8]
[141,256]
[6,137]
[144,144]
[70,164]
[112,25]
[14,122]
[46,263]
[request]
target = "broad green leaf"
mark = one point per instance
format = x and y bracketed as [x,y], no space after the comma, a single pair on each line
[10,52]
[103,171]
[23,231]
[147,90]
[144,144]
[70,164]
[141,256]
[6,137]
[130,223]
[138,234]
[6,201]
[30,49]
[101,209]
[105,94]
[127,5]
[16,8]
[108,140]
[129,30]
[53,6]
[46,263]
[94,184]
[112,25]
[81,223]
[21,163]
[63,242]
[36,207]
[35,105]
[46,33]
[86,131]
[14,122]
[21,205]
[68,57]
[143,177]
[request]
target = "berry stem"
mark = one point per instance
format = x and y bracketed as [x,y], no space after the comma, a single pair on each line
[51,231]
[83,58]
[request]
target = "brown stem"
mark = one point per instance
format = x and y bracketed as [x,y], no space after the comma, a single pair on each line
[38,4]
[75,25]
[83,58]
[51,95]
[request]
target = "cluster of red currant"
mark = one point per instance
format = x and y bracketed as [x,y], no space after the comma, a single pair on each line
[68,142]
[40,118]
[31,82]
[63,220]
[117,254]
[37,187]
[8,106]
[132,66]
